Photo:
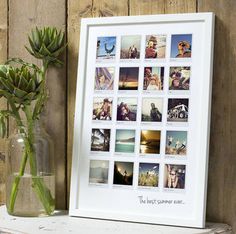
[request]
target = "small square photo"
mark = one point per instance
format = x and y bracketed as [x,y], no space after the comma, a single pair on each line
[181,46]
[123,173]
[102,108]
[100,139]
[130,47]
[155,46]
[125,141]
[148,174]
[126,109]
[174,176]
[176,142]
[128,79]
[152,109]
[98,171]
[106,48]
[150,142]
[104,78]
[153,78]
[179,78]
[177,110]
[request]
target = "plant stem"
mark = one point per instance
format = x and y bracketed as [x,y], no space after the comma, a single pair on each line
[15,184]
[39,186]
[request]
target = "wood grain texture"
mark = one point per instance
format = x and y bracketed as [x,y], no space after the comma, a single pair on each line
[3,105]
[180,6]
[146,7]
[221,203]
[77,10]
[23,16]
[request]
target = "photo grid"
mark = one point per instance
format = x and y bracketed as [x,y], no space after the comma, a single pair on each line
[140,114]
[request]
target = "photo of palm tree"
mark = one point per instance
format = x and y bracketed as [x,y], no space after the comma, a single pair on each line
[100,139]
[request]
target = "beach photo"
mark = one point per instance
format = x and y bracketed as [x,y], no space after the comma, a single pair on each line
[181,46]
[126,109]
[100,139]
[125,141]
[152,109]
[176,142]
[174,176]
[148,174]
[123,173]
[98,171]
[179,78]
[150,142]
[106,48]
[155,46]
[128,78]
[177,110]
[102,108]
[130,47]
[104,78]
[153,78]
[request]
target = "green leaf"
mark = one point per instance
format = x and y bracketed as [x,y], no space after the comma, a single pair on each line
[60,38]
[59,51]
[30,96]
[53,45]
[19,93]
[44,51]
[7,84]
[23,83]
[3,74]
[3,128]
[31,86]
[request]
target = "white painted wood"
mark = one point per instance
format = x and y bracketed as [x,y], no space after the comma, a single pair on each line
[61,223]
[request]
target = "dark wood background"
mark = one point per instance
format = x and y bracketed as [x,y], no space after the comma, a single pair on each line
[18,17]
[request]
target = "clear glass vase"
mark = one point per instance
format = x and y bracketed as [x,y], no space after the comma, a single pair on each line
[30,181]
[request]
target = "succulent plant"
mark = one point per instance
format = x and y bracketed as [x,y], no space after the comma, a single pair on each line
[24,87]
[19,85]
[47,44]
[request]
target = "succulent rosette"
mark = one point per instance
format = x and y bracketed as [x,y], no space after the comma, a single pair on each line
[19,85]
[46,44]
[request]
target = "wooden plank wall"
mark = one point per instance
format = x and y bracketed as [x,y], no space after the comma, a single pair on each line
[3,57]
[222,185]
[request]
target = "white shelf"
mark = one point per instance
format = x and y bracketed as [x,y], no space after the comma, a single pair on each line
[61,223]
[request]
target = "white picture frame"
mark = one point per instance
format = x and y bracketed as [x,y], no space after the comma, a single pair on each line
[130,163]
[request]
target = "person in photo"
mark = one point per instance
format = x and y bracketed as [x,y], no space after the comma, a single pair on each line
[104,78]
[155,114]
[175,180]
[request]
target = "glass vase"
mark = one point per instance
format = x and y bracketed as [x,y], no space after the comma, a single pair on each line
[30,182]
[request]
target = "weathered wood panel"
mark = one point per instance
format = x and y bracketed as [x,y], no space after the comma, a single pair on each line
[3,58]
[77,10]
[24,15]
[221,204]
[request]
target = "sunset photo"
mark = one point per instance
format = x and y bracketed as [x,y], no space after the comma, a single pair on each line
[150,142]
[128,79]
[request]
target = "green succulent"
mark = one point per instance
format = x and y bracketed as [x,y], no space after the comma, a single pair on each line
[20,85]
[47,44]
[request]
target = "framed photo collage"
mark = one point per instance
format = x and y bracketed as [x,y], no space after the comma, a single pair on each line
[142,119]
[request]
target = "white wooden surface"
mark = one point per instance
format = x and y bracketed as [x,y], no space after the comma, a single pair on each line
[61,223]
